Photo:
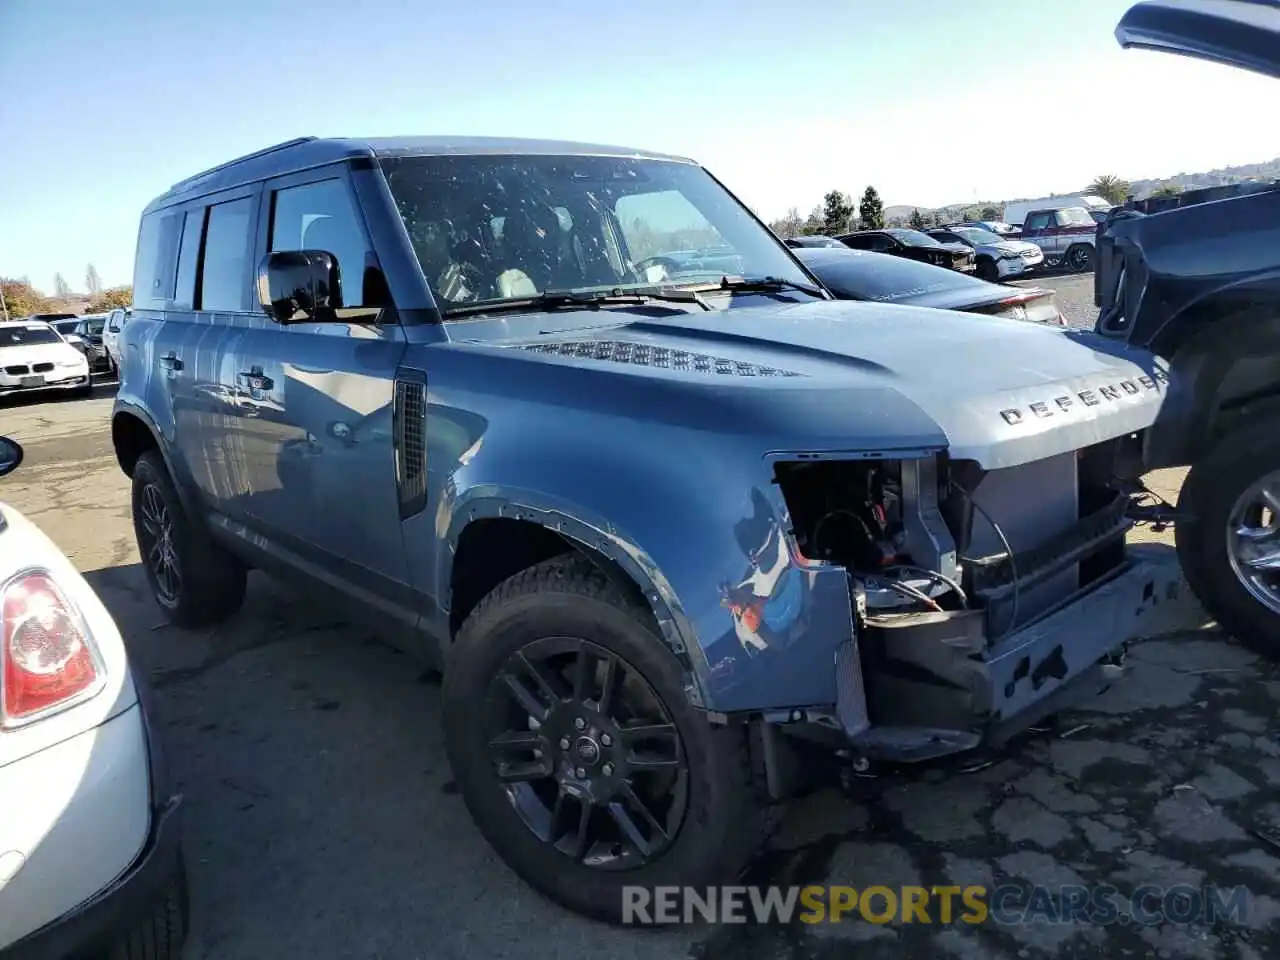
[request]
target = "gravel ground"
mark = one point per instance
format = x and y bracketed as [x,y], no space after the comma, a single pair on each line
[322,822]
[1074,295]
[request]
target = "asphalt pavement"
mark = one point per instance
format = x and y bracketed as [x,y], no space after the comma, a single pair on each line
[322,822]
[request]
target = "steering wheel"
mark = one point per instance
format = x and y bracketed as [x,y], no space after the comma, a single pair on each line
[669,266]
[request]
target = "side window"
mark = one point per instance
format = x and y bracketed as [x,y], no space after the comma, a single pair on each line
[184,297]
[663,222]
[224,277]
[877,241]
[113,321]
[321,216]
[1037,221]
[154,262]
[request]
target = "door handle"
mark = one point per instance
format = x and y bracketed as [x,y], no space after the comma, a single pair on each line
[170,362]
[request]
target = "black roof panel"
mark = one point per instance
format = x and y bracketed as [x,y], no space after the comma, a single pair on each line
[306,152]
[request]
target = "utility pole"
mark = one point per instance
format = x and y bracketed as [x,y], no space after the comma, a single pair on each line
[4,309]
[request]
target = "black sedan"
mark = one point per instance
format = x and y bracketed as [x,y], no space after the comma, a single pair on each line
[813,240]
[913,245]
[862,275]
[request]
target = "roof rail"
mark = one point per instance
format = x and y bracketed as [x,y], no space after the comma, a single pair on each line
[248,156]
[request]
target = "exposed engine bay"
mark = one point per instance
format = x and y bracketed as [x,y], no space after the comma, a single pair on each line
[946,559]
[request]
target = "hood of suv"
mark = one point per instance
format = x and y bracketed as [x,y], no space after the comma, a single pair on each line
[1234,32]
[859,376]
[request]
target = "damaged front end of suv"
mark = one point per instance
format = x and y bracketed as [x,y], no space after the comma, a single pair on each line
[981,600]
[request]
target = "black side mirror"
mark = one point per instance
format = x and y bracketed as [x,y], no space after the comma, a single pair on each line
[300,286]
[10,456]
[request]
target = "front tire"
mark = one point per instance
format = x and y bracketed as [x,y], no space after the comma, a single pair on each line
[987,270]
[193,580]
[578,754]
[1229,542]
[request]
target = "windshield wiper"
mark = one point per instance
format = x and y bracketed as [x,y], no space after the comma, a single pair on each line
[558,299]
[763,285]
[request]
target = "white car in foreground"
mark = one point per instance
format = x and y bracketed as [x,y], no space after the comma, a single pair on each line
[34,356]
[90,859]
[999,258]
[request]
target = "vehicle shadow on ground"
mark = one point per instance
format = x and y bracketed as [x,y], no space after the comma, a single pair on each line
[102,387]
[319,800]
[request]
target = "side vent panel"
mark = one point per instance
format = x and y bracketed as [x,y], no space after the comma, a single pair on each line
[409,429]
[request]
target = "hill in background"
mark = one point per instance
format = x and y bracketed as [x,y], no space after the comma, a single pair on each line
[1268,170]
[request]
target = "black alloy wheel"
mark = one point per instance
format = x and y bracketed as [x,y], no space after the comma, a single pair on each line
[587,752]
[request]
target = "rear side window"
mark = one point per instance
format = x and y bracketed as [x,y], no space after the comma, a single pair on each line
[1038,221]
[224,280]
[189,259]
[154,264]
[321,216]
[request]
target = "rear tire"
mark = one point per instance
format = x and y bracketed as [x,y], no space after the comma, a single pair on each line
[193,579]
[1079,257]
[1211,549]
[724,817]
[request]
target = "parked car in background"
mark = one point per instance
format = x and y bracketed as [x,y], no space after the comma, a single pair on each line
[880,278]
[86,335]
[1067,235]
[995,226]
[813,241]
[52,317]
[34,356]
[998,258]
[90,858]
[116,321]
[914,245]
[1016,213]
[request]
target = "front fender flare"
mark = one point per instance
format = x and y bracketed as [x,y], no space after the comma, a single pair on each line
[745,648]
[584,527]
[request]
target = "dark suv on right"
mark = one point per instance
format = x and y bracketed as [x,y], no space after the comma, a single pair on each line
[1196,280]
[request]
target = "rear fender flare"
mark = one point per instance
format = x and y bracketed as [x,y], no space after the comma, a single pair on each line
[125,408]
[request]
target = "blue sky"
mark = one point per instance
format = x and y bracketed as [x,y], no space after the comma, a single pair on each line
[105,104]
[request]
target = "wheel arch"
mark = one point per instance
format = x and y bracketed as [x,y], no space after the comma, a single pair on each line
[133,433]
[1224,372]
[494,537]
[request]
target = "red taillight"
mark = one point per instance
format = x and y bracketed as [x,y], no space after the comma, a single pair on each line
[46,655]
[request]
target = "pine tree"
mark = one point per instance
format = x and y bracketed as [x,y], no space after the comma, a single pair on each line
[871,210]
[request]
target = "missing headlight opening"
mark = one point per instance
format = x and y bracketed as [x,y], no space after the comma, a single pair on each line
[946,559]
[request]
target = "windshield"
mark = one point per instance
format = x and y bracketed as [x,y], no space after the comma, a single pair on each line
[915,238]
[495,228]
[977,236]
[94,327]
[861,275]
[66,326]
[25,336]
[1075,217]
